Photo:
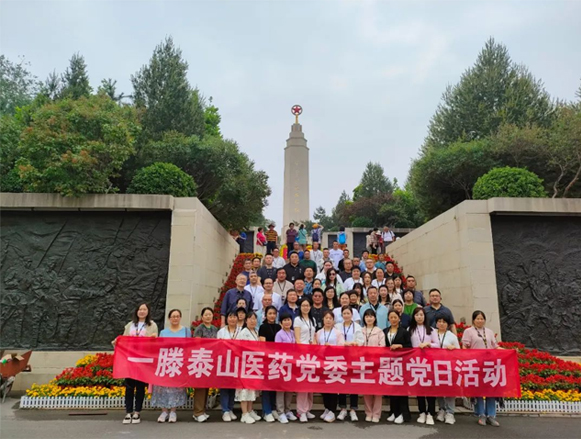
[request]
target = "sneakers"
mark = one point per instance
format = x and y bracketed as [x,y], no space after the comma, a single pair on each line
[391,418]
[269,418]
[232,415]
[422,418]
[450,419]
[398,420]
[310,415]
[163,417]
[226,417]
[275,415]
[353,416]
[127,419]
[342,415]
[247,419]
[290,416]
[367,418]
[173,417]
[282,418]
[254,415]
[493,422]
[135,419]
[441,416]
[430,419]
[482,420]
[303,418]
[325,413]
[330,417]
[202,418]
[375,420]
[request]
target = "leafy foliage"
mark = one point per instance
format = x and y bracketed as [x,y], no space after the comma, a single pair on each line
[162,91]
[403,211]
[163,178]
[509,182]
[373,182]
[17,85]
[75,147]
[76,79]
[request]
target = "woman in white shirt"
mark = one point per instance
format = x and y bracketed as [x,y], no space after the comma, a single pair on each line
[229,332]
[305,328]
[391,293]
[379,278]
[246,396]
[329,336]
[446,340]
[338,312]
[353,336]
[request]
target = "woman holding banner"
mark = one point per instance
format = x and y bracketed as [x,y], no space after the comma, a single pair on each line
[229,332]
[329,336]
[171,397]
[267,332]
[140,326]
[396,337]
[423,337]
[204,330]
[305,328]
[480,337]
[353,336]
[283,399]
[446,340]
[373,336]
[247,396]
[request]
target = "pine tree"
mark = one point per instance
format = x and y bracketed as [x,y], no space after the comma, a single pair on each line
[373,182]
[76,79]
[109,87]
[162,89]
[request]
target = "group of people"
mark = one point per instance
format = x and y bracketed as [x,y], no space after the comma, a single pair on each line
[336,301]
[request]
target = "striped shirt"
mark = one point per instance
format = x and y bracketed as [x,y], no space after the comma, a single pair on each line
[271,235]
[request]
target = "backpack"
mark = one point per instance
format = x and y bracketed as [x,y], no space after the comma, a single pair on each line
[342,238]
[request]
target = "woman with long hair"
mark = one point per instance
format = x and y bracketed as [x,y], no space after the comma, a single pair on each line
[367,282]
[405,320]
[479,336]
[396,337]
[331,300]
[331,281]
[305,328]
[372,336]
[384,297]
[267,332]
[141,325]
[204,330]
[302,237]
[329,335]
[391,293]
[423,337]
[344,300]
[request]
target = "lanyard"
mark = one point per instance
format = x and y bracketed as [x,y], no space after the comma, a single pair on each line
[310,326]
[423,334]
[233,337]
[290,338]
[327,337]
[442,339]
[483,336]
[347,331]
[367,335]
[139,329]
[253,333]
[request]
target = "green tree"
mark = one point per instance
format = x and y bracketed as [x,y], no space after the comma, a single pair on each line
[76,79]
[492,92]
[17,85]
[373,182]
[339,214]
[109,87]
[10,130]
[362,221]
[403,211]
[162,91]
[75,147]
[444,177]
[163,178]
[212,119]
[509,182]
[53,86]
[320,217]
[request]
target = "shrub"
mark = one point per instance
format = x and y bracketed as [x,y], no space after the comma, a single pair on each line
[163,178]
[508,182]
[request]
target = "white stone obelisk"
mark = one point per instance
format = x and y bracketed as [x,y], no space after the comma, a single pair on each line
[296,174]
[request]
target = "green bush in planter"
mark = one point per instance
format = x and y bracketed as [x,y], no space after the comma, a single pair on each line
[163,178]
[508,182]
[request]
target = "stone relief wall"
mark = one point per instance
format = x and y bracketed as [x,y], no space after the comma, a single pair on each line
[71,280]
[538,273]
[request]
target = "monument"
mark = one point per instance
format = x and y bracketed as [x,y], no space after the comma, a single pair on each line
[296,174]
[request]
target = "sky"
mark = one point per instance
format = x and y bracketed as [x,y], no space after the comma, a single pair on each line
[368,74]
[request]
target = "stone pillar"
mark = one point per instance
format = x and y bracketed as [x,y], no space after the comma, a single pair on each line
[296,178]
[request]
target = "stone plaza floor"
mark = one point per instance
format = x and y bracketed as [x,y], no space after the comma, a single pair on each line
[63,424]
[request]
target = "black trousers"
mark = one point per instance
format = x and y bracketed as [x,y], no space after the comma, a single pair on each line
[330,401]
[137,389]
[270,246]
[431,408]
[399,405]
[353,401]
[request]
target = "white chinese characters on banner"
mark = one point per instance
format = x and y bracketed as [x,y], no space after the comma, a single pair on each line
[391,371]
[335,368]
[280,366]
[419,369]
[169,362]
[308,366]
[494,373]
[201,362]
[252,365]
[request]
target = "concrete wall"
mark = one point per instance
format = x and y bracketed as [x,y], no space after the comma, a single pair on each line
[201,254]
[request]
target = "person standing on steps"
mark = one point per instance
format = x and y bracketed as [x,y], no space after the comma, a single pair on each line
[282,286]
[261,241]
[233,295]
[291,236]
[267,332]
[373,337]
[246,397]
[141,325]
[271,239]
[284,399]
[204,330]
[229,332]
[305,328]
[268,270]
[277,260]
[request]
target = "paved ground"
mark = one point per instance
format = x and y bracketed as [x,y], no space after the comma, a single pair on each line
[29,424]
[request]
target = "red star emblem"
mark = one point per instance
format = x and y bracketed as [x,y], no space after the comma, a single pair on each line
[296,110]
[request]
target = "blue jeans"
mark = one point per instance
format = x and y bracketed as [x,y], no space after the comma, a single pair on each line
[489,410]
[227,399]
[268,401]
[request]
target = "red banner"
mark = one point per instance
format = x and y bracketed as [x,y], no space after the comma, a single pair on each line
[235,364]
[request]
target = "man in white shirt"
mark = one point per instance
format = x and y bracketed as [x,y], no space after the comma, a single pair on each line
[254,288]
[260,313]
[281,285]
[277,260]
[370,267]
[388,237]
[354,279]
[276,299]
[336,254]
[317,256]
